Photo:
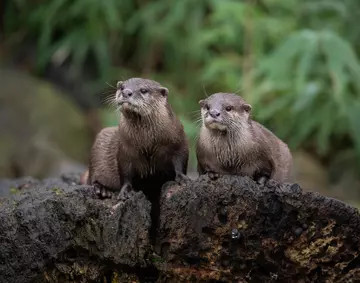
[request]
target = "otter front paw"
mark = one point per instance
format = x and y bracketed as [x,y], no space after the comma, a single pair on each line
[126,192]
[213,175]
[262,180]
[102,191]
[182,179]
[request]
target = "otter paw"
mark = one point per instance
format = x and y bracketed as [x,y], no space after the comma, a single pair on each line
[182,179]
[262,181]
[213,176]
[102,191]
[126,192]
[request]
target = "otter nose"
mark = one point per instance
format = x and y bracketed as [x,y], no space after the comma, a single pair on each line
[127,93]
[214,113]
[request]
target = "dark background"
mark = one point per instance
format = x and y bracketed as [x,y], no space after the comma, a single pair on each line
[295,61]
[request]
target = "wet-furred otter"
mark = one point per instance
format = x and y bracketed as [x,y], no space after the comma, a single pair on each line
[230,142]
[146,149]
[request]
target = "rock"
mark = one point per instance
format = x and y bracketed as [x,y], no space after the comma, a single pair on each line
[42,132]
[228,230]
[10,187]
[232,230]
[56,232]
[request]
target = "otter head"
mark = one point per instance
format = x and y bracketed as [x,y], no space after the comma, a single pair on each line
[140,96]
[225,112]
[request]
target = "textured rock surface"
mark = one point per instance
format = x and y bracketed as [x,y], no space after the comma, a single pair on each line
[55,232]
[233,231]
[229,230]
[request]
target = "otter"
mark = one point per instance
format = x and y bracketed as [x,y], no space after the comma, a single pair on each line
[145,150]
[230,142]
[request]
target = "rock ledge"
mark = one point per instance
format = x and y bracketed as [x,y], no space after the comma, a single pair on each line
[229,230]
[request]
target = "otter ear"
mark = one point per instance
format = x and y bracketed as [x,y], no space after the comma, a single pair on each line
[202,102]
[118,84]
[247,108]
[164,91]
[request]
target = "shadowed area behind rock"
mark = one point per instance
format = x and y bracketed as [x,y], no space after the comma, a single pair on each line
[230,230]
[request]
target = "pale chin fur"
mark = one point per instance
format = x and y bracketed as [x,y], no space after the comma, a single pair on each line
[216,126]
[128,107]
[141,110]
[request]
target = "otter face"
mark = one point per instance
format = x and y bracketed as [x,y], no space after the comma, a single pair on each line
[140,96]
[224,112]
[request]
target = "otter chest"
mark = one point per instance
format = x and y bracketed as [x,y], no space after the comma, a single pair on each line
[231,159]
[152,160]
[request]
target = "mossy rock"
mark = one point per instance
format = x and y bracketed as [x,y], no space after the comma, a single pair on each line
[40,127]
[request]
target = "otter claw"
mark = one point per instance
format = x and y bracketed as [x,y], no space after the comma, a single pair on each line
[101,191]
[103,194]
[213,176]
[262,180]
[126,192]
[97,190]
[182,179]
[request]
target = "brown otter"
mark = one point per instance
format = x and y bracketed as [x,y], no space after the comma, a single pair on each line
[146,149]
[230,142]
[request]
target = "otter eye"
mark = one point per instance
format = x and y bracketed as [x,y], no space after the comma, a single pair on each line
[143,90]
[228,108]
[247,108]
[119,84]
[121,87]
[207,107]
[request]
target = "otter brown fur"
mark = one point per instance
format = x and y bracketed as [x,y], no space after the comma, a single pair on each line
[146,149]
[230,142]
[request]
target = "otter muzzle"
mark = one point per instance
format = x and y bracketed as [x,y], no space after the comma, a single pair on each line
[214,124]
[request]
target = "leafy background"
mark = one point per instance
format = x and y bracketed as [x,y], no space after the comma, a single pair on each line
[296,61]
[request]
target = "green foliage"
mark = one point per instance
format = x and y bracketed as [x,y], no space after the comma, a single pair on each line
[294,60]
[319,71]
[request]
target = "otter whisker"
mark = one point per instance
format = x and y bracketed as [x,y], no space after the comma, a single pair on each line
[195,117]
[239,90]
[110,85]
[195,113]
[108,91]
[111,106]
[110,103]
[205,90]
[198,121]
[117,109]
[108,99]
[114,107]
[198,118]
